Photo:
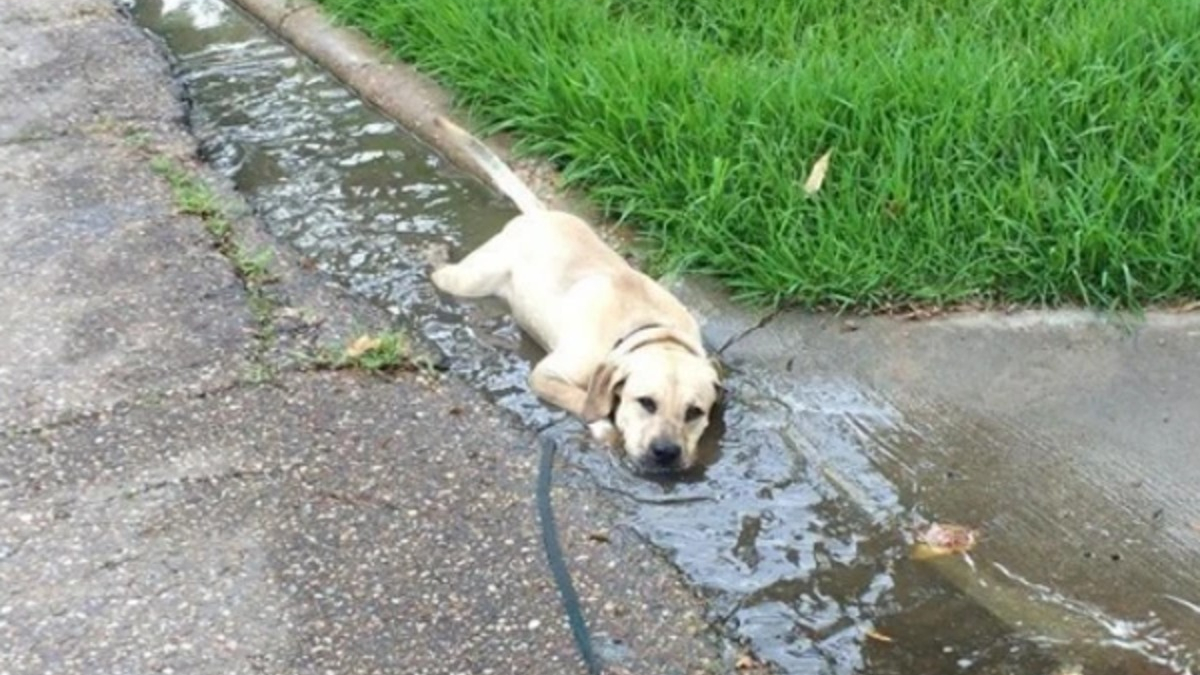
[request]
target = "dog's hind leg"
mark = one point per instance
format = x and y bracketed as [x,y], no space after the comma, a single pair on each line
[483,272]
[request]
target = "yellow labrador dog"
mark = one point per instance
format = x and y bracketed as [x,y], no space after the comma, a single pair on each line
[621,350]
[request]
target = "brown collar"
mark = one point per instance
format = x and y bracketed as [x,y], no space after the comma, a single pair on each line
[635,331]
[648,334]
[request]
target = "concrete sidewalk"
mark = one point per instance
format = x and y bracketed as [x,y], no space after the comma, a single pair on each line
[179,493]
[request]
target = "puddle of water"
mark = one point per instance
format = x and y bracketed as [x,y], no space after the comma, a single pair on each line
[797,535]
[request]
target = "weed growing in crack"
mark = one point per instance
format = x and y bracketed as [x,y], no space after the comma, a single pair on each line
[388,351]
[254,267]
[137,138]
[196,197]
[383,352]
[192,194]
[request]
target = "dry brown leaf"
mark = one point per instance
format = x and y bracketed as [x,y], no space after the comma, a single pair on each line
[362,345]
[1189,307]
[941,539]
[880,637]
[816,177]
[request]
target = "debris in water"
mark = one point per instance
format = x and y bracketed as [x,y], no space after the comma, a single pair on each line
[941,539]
[879,637]
[747,662]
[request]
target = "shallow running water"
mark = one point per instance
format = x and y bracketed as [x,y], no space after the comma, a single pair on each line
[799,531]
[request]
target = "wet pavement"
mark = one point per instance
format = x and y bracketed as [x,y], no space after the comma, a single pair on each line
[179,493]
[1069,438]
[321,524]
[1066,440]
[798,533]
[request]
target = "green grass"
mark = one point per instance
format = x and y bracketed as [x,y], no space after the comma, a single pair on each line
[1042,152]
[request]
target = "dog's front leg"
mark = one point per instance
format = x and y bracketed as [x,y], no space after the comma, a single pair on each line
[551,386]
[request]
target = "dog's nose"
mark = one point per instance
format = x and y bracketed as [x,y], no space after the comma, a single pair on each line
[666,453]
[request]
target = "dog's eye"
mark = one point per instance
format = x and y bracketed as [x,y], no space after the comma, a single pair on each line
[648,403]
[693,413]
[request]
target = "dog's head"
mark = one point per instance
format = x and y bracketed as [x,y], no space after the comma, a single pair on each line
[659,391]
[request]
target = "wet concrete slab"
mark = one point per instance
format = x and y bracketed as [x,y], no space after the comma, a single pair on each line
[1067,437]
[60,11]
[59,77]
[107,292]
[322,523]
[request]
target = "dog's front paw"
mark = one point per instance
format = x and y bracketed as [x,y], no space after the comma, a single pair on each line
[604,431]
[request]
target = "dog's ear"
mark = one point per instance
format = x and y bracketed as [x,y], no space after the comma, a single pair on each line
[718,368]
[602,389]
[719,378]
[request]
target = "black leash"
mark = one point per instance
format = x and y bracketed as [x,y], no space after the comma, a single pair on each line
[558,566]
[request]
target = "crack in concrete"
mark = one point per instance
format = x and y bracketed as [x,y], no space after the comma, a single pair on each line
[203,479]
[287,14]
[119,407]
[762,323]
[307,363]
[114,127]
[64,421]
[357,499]
[29,139]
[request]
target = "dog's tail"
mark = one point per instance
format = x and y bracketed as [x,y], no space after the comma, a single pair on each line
[502,177]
